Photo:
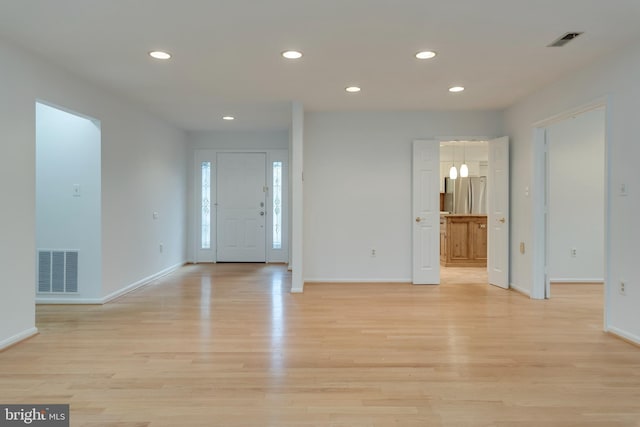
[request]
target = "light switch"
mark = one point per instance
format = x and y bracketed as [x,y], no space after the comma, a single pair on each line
[623,189]
[156,215]
[76,190]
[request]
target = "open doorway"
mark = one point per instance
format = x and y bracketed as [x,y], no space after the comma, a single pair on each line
[428,215]
[573,139]
[575,176]
[68,206]
[463,209]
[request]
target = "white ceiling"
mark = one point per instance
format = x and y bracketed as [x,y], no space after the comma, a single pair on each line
[227,53]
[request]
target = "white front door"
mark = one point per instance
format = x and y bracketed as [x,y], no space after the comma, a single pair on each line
[498,208]
[241,207]
[426,212]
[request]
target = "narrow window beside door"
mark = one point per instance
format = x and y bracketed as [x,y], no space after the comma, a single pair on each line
[205,242]
[277,205]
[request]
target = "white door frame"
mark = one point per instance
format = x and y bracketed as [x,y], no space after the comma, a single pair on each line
[272,155]
[540,282]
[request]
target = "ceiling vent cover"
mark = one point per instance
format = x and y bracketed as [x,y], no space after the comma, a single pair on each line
[564,39]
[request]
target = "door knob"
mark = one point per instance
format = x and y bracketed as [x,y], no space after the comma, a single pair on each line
[502,220]
[418,219]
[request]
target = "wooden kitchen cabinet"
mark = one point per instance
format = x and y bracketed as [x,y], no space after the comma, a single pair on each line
[463,240]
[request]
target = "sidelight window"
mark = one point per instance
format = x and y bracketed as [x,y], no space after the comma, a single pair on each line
[205,242]
[277,205]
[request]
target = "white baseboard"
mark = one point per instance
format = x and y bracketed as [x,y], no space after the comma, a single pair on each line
[120,292]
[18,337]
[363,280]
[518,289]
[624,335]
[68,301]
[576,280]
[140,283]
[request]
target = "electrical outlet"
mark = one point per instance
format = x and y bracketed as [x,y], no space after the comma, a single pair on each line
[373,253]
[161,247]
[574,252]
[623,288]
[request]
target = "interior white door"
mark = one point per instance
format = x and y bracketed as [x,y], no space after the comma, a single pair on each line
[241,190]
[426,212]
[498,208]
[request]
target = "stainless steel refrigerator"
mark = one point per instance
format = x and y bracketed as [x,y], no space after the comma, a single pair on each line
[466,195]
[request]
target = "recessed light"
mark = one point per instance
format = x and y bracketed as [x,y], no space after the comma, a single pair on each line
[353,89]
[456,89]
[292,54]
[159,54]
[426,54]
[228,118]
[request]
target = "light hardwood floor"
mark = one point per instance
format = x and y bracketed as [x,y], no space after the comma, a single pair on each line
[228,345]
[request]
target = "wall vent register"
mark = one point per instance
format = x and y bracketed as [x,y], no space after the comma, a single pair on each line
[57,271]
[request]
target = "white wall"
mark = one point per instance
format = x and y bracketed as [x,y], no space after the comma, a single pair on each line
[17,189]
[614,79]
[240,140]
[68,153]
[143,169]
[576,198]
[357,186]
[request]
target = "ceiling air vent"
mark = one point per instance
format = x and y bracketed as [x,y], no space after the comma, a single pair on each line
[564,39]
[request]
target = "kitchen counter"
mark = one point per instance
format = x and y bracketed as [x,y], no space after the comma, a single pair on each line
[463,240]
[463,215]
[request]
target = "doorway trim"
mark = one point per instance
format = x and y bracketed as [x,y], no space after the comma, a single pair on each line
[210,154]
[78,245]
[442,139]
[540,244]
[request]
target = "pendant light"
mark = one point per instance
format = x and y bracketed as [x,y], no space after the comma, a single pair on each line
[453,172]
[464,169]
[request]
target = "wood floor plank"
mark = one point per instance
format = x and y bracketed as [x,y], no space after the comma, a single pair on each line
[228,345]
